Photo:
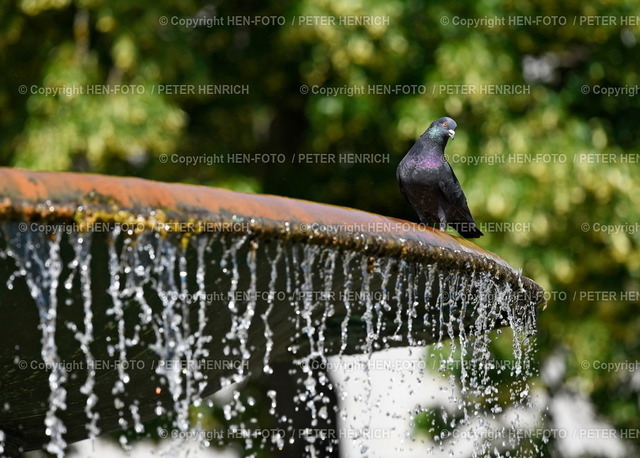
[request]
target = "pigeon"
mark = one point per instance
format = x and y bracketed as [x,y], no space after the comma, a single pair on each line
[428,183]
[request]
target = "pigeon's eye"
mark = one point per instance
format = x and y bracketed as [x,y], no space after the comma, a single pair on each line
[445,124]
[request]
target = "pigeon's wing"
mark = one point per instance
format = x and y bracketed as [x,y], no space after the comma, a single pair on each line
[452,192]
[458,213]
[417,196]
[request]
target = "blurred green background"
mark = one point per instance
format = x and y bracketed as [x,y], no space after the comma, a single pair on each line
[562,158]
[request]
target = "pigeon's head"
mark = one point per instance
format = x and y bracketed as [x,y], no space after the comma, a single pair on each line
[445,127]
[442,129]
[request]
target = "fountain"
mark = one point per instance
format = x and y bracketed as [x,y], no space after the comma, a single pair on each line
[125,299]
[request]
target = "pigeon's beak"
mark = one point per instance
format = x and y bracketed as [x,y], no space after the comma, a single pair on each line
[452,133]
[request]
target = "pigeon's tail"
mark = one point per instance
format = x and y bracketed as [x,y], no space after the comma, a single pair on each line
[472,234]
[467,230]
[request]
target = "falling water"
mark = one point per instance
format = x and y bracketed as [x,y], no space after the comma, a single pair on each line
[82,263]
[188,315]
[268,333]
[37,258]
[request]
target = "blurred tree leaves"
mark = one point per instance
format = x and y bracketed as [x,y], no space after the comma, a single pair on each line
[590,181]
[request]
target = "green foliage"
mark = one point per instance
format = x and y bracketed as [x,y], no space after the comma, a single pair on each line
[562,202]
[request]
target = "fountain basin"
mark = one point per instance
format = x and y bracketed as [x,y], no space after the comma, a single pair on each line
[191,288]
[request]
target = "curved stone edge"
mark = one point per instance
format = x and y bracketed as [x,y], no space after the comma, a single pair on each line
[86,199]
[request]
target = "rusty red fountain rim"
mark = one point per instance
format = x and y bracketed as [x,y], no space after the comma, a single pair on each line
[66,196]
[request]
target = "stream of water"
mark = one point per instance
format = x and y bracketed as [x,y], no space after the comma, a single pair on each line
[204,313]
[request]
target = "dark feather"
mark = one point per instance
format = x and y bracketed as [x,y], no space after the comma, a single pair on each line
[429,184]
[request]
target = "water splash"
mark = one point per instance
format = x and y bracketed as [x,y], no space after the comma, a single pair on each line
[37,256]
[348,287]
[268,333]
[475,400]
[237,331]
[115,266]
[172,296]
[82,247]
[328,310]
